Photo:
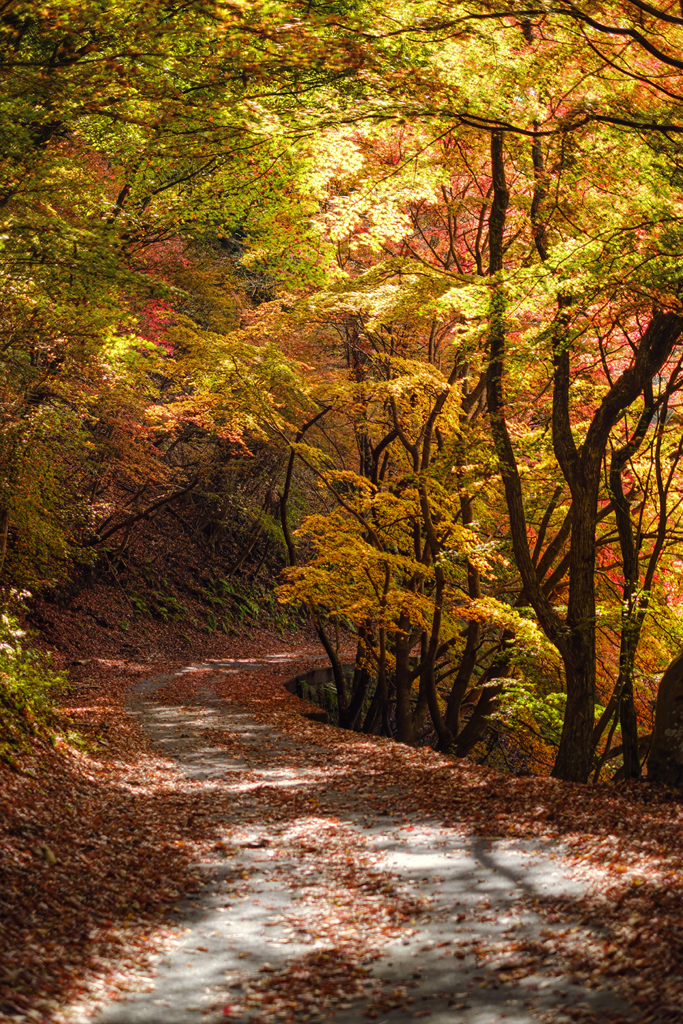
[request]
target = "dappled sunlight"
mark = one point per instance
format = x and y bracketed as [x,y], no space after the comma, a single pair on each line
[341,360]
[368,875]
[317,868]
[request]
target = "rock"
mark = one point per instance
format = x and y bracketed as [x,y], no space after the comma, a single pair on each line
[665,761]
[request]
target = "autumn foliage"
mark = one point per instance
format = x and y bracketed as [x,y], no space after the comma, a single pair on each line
[392,300]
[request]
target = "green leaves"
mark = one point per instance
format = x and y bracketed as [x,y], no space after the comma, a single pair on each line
[27,682]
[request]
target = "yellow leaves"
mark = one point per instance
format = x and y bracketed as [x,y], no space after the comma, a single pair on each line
[366,565]
[333,156]
[401,292]
[125,352]
[348,573]
[369,224]
[255,256]
[401,388]
[491,612]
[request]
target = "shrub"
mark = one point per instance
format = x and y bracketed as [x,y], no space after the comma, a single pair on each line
[27,684]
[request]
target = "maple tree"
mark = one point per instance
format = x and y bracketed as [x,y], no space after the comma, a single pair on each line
[105,169]
[383,305]
[205,205]
[580,464]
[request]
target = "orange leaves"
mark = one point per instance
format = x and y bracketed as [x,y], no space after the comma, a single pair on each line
[123,852]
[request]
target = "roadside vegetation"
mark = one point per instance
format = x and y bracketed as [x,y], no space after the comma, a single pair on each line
[361,321]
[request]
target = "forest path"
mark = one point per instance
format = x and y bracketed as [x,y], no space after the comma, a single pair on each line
[324,895]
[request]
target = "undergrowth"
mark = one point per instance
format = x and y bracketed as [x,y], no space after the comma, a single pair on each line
[28,682]
[225,604]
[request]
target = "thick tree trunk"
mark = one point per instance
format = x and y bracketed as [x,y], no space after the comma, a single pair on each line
[633,610]
[335,663]
[404,683]
[575,753]
[376,712]
[665,762]
[462,679]
[581,468]
[360,683]
[469,657]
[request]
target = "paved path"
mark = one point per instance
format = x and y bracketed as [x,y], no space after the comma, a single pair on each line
[274,931]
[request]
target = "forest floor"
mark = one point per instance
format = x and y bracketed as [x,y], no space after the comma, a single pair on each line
[214,855]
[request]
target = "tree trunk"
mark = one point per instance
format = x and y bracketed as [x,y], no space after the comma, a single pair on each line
[575,753]
[478,721]
[580,466]
[360,683]
[629,731]
[469,657]
[633,610]
[379,706]
[408,720]
[335,662]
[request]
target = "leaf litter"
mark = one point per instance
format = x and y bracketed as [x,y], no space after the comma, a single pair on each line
[98,847]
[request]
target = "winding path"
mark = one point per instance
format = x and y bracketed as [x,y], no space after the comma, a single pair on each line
[320,897]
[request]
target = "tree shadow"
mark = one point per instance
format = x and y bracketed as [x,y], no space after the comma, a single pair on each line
[265,797]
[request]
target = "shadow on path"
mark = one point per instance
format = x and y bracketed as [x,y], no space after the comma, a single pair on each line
[314,906]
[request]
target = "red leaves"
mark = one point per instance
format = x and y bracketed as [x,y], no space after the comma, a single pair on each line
[89,864]
[626,842]
[89,923]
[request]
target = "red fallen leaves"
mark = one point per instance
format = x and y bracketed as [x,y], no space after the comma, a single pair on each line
[93,849]
[318,982]
[627,841]
[124,834]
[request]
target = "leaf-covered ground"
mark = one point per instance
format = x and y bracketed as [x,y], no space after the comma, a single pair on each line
[99,847]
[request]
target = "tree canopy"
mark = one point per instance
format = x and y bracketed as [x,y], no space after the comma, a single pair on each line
[416,273]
